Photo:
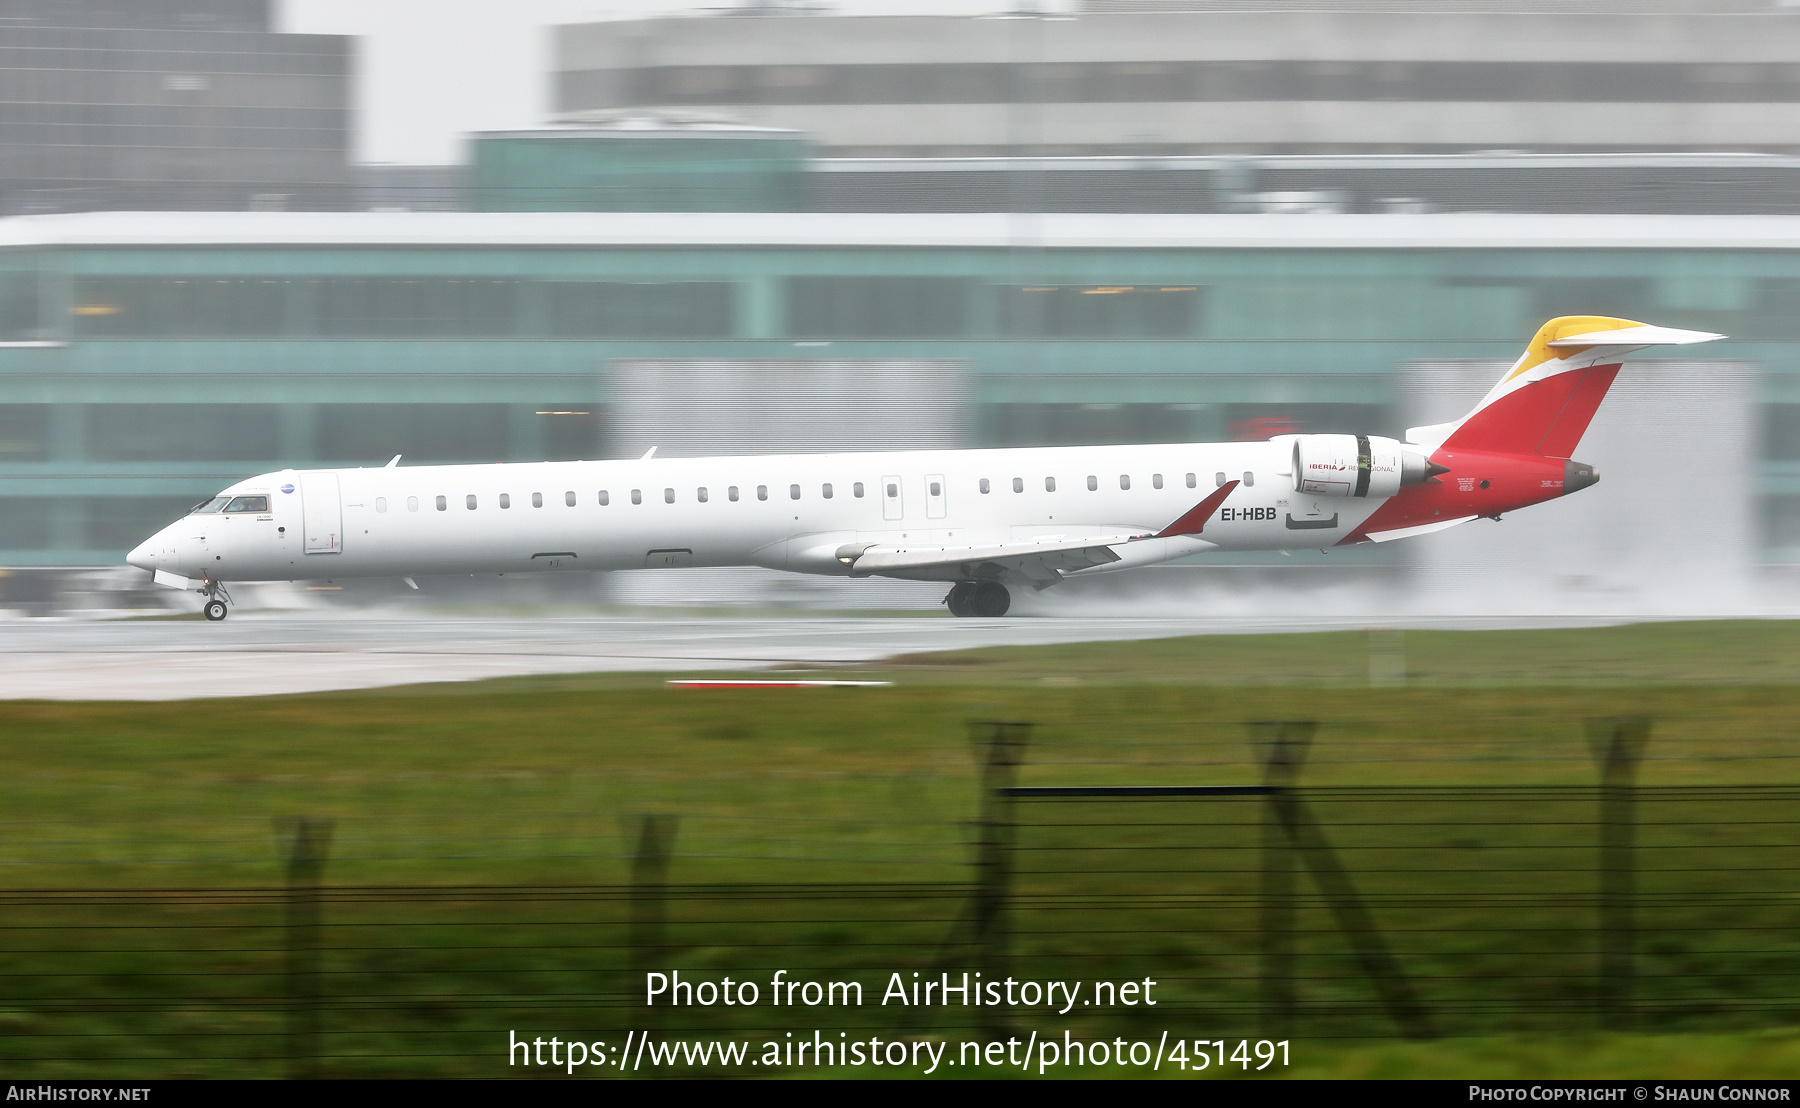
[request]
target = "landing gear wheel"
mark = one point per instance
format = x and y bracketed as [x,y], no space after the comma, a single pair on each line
[961,600]
[990,599]
[214,611]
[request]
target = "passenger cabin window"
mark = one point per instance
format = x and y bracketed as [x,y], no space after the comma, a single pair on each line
[471,502]
[893,490]
[762,492]
[731,494]
[1249,478]
[381,505]
[1156,480]
[1093,483]
[856,490]
[537,500]
[569,498]
[825,490]
[443,504]
[700,494]
[1018,484]
[668,496]
[984,486]
[1124,480]
[1219,479]
[212,505]
[248,504]
[412,503]
[937,489]
[1193,480]
[605,498]
[1049,484]
[793,492]
[506,500]
[637,496]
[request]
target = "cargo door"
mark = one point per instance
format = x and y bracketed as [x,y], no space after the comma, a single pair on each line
[322,513]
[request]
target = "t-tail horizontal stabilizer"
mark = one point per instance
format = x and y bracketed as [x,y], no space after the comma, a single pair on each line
[1545,401]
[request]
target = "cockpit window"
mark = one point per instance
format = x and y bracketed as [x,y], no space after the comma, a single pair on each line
[212,505]
[248,504]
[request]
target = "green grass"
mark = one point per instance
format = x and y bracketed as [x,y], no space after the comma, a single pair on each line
[829,830]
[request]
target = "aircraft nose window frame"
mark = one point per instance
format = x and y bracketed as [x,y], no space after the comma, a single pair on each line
[210,506]
[247,504]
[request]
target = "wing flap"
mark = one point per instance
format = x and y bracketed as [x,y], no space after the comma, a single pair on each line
[1058,555]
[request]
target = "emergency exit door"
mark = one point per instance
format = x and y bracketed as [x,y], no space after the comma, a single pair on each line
[890,497]
[322,513]
[934,496]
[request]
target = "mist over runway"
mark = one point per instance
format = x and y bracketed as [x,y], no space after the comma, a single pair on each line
[272,655]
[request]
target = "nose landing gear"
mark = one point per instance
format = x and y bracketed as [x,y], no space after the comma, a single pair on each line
[216,598]
[983,599]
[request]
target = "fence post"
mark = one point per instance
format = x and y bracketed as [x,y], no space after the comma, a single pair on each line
[653,840]
[308,842]
[1618,745]
[1282,746]
[1002,750]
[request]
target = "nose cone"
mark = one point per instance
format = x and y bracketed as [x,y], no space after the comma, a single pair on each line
[143,556]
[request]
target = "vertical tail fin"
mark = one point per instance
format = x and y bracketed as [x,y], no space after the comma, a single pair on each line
[1544,403]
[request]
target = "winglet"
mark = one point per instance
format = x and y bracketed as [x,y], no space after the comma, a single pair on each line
[1194,521]
[648,454]
[392,462]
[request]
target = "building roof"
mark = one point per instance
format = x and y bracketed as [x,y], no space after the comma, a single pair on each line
[726,230]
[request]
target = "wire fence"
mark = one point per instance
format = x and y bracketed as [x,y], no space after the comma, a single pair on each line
[1271,910]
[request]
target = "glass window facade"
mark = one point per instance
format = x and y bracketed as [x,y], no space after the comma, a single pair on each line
[878,307]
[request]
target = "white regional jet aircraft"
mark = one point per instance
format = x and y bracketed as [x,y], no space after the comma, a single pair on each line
[988,521]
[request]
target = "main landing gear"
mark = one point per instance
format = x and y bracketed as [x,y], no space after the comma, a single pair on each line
[985,599]
[216,598]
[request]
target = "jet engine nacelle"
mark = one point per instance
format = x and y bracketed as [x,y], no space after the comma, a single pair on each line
[1356,465]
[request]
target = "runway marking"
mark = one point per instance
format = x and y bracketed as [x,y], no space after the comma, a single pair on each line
[780,684]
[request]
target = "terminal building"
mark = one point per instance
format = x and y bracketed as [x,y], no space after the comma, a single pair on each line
[169,104]
[1258,78]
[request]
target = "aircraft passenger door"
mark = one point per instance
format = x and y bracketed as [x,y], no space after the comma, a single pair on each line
[322,513]
[934,496]
[890,497]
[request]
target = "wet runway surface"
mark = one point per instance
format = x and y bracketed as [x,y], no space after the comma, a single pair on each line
[260,656]
[153,660]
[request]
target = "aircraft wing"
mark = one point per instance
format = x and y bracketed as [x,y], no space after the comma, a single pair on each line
[1040,562]
[1043,562]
